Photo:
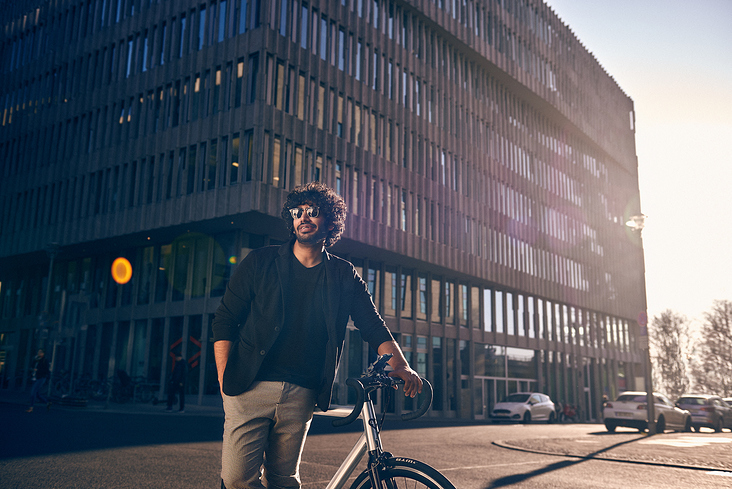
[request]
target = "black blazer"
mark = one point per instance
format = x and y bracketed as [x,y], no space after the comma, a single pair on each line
[251,314]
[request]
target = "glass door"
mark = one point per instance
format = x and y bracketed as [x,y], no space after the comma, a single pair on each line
[484,397]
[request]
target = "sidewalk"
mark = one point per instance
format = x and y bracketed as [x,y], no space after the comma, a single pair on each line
[703,451]
[211,407]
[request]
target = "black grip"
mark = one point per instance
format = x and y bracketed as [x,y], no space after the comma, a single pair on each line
[356,384]
[426,402]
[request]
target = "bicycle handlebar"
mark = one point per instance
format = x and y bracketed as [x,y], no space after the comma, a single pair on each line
[375,382]
[360,390]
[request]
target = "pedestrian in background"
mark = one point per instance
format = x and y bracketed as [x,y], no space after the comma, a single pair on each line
[559,407]
[41,372]
[177,384]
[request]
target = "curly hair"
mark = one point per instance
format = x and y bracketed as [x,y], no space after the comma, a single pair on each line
[326,199]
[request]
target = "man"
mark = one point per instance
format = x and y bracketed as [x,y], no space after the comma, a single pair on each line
[177,384]
[41,372]
[278,337]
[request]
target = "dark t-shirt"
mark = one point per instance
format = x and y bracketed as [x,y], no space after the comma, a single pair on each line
[298,354]
[41,369]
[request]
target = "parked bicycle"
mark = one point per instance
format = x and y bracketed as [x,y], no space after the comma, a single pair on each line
[144,391]
[99,389]
[63,385]
[384,470]
[138,389]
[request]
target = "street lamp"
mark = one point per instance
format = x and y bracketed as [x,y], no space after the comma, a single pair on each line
[637,223]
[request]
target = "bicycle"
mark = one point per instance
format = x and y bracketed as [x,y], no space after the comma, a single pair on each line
[144,391]
[384,470]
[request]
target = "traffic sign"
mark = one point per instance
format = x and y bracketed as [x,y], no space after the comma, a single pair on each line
[642,318]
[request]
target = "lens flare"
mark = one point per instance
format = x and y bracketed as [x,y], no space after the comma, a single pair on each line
[121,270]
[232,260]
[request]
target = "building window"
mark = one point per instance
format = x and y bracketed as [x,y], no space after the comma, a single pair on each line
[406,294]
[234,165]
[338,178]
[373,283]
[436,303]
[463,305]
[438,386]
[391,293]
[499,312]
[276,156]
[323,39]
[403,211]
[449,312]
[252,79]
[304,27]
[510,323]
[279,86]
[216,90]
[200,266]
[422,306]
[201,28]
[475,307]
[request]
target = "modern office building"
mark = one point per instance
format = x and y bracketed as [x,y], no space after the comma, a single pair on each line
[486,157]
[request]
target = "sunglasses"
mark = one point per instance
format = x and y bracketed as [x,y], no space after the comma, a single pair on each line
[312,212]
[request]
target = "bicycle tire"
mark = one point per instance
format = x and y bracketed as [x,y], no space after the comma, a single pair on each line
[145,393]
[405,473]
[98,390]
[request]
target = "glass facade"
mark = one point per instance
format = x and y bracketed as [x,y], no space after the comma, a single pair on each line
[486,192]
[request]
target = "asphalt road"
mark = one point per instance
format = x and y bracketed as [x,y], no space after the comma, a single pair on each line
[82,448]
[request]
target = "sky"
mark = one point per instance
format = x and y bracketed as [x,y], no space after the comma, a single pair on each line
[674,59]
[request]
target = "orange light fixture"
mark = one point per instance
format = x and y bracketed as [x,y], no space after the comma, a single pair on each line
[121,270]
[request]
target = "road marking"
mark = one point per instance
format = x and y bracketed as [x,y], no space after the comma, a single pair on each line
[471,467]
[687,441]
[721,473]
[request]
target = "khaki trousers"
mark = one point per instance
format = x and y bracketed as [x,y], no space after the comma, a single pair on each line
[264,435]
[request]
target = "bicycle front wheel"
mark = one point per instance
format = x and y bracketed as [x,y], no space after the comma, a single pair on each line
[405,473]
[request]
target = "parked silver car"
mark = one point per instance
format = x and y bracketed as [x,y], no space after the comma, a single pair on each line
[524,407]
[707,411]
[630,410]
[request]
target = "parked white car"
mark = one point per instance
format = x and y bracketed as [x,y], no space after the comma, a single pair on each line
[630,410]
[524,407]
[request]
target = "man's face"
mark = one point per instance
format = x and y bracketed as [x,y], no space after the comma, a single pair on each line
[309,230]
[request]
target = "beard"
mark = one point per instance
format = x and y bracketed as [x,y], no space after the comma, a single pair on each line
[315,237]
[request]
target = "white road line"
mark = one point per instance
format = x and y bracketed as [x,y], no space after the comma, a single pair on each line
[687,441]
[471,467]
[720,473]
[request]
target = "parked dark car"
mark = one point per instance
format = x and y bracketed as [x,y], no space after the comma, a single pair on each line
[707,411]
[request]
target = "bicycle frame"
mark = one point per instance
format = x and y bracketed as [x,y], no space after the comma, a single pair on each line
[370,441]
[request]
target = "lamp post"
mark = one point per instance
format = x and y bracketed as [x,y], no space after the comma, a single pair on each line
[637,223]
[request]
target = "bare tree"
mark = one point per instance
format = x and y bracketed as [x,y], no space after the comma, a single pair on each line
[669,338]
[714,371]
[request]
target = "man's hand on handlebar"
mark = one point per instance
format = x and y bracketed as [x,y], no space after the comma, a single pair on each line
[412,382]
